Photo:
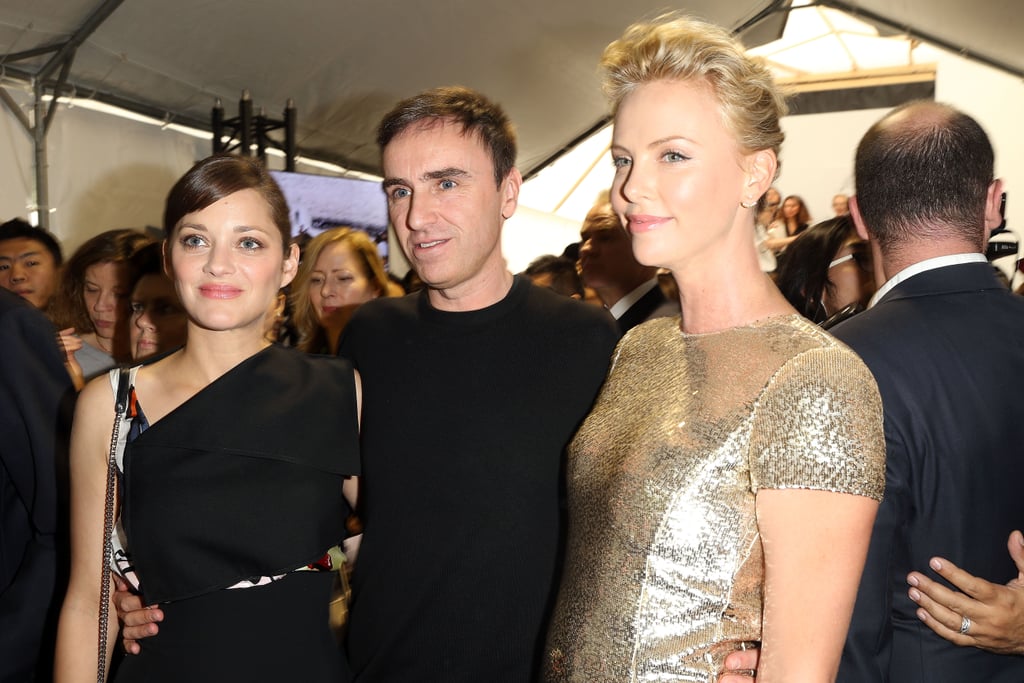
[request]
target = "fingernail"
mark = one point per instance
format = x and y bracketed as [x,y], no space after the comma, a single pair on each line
[914,594]
[912,580]
[922,615]
[935,564]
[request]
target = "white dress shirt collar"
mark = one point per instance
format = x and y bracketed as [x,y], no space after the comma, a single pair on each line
[922,267]
[624,304]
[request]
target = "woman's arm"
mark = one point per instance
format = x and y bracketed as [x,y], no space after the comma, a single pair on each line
[815,544]
[779,243]
[70,343]
[77,633]
[777,236]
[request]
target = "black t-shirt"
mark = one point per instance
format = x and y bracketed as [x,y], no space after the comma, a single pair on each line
[465,420]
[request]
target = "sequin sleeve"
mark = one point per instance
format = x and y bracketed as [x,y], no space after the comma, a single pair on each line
[818,425]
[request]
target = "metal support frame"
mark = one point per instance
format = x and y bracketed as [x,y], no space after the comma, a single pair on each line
[62,55]
[245,130]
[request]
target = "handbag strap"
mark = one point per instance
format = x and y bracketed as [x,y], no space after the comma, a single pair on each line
[120,409]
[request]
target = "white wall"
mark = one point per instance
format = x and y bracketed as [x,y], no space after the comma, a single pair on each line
[17,180]
[819,149]
[817,157]
[105,172]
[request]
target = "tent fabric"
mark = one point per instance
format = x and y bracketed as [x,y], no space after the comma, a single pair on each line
[345,64]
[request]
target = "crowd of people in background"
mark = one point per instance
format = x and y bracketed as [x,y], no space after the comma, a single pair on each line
[113,301]
[623,463]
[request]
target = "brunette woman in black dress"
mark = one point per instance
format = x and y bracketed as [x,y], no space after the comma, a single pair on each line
[230,493]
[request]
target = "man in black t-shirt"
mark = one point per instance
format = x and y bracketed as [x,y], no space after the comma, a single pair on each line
[473,388]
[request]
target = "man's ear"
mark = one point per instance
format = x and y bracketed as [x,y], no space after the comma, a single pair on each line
[510,192]
[992,201]
[862,229]
[858,220]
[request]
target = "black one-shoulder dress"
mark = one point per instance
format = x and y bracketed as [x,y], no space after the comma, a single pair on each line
[241,485]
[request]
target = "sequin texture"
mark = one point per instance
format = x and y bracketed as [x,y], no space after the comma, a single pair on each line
[665,569]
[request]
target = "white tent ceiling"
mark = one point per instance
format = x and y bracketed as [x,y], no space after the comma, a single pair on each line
[345,63]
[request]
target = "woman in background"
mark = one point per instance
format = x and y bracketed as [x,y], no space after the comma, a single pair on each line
[793,220]
[237,455]
[158,320]
[340,271]
[91,305]
[828,272]
[735,455]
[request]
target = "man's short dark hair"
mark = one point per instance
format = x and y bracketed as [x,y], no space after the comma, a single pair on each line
[564,278]
[474,113]
[925,175]
[18,228]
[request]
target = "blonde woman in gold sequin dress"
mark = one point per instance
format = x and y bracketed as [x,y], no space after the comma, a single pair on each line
[723,488]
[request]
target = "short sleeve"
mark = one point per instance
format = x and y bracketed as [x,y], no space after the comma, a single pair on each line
[818,425]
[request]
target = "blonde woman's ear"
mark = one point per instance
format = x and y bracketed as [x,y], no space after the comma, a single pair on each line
[761,171]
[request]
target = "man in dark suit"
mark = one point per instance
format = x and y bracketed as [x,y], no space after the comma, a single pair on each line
[627,289]
[35,398]
[943,339]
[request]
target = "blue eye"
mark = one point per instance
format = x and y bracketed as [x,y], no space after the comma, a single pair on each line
[621,162]
[447,184]
[400,193]
[674,157]
[192,241]
[250,243]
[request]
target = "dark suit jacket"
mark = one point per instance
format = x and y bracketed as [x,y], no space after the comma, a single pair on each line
[947,349]
[651,305]
[35,396]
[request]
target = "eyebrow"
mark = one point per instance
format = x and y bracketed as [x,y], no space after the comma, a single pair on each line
[238,228]
[661,141]
[24,254]
[449,172]
[672,138]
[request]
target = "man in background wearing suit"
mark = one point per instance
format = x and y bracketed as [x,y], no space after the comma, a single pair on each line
[35,396]
[943,339]
[627,289]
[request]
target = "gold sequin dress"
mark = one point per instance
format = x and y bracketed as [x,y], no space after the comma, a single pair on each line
[665,569]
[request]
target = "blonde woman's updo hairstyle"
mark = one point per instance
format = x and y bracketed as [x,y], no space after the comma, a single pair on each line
[678,48]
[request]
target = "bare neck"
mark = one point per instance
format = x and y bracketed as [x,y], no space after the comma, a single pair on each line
[725,287]
[715,306]
[209,354]
[486,289]
[900,257]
